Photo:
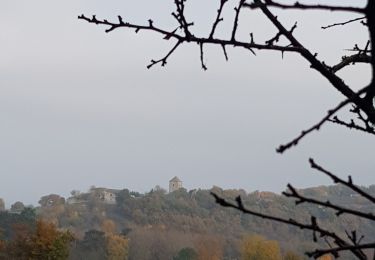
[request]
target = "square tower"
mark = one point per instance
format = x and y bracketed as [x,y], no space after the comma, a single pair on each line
[175,184]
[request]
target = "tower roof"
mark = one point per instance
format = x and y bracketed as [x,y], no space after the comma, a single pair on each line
[175,179]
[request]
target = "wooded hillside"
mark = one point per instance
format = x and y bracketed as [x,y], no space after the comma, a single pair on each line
[161,225]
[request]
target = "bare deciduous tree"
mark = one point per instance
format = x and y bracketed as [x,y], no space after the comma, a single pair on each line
[362,101]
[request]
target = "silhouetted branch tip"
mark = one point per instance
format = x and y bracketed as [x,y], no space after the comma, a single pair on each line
[344,23]
[297,5]
[336,179]
[220,200]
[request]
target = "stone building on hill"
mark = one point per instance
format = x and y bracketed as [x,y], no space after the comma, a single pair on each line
[103,195]
[106,196]
[175,184]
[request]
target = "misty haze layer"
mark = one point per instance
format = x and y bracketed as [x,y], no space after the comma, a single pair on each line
[79,108]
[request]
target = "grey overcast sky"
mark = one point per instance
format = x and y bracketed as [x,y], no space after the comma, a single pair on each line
[79,108]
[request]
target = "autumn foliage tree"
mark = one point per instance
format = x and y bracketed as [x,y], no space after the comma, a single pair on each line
[285,41]
[104,244]
[117,245]
[209,248]
[43,242]
[255,247]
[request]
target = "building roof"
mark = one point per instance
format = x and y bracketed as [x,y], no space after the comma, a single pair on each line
[100,189]
[175,179]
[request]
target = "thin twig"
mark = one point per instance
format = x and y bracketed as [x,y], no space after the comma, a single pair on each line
[235,23]
[344,23]
[163,60]
[316,127]
[218,18]
[300,6]
[351,125]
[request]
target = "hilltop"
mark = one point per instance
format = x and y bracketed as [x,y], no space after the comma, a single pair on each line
[162,223]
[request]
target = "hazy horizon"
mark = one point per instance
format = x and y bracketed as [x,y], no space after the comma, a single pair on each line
[79,107]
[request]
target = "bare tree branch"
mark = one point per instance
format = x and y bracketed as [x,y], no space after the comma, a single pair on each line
[235,23]
[314,226]
[320,252]
[201,57]
[163,61]
[370,15]
[293,193]
[351,125]
[336,179]
[300,6]
[344,23]
[323,69]
[179,15]
[191,38]
[316,127]
[351,60]
[218,18]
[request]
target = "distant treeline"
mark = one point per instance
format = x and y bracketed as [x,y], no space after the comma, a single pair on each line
[120,224]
